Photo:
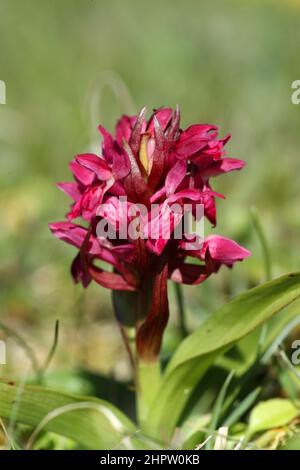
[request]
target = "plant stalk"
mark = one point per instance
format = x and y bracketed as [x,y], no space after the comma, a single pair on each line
[148,383]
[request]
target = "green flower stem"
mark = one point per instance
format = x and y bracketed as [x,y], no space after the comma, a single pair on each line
[149,379]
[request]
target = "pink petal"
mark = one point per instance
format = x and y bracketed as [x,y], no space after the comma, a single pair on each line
[109,280]
[121,164]
[223,250]
[218,167]
[89,202]
[79,272]
[124,128]
[71,189]
[175,177]
[135,185]
[194,138]
[85,176]
[107,144]
[138,129]
[163,115]
[210,210]
[193,194]
[173,130]
[96,164]
[188,273]
[74,235]
[160,227]
[116,212]
[156,196]
[68,232]
[160,157]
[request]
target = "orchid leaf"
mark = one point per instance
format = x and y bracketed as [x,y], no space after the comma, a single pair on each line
[271,414]
[92,423]
[197,352]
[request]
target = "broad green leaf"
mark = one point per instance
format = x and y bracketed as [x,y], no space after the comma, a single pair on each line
[271,414]
[196,353]
[277,329]
[192,432]
[93,423]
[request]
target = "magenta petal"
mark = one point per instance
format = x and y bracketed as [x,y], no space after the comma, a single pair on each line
[163,115]
[124,128]
[223,250]
[218,167]
[68,232]
[193,194]
[173,129]
[194,138]
[210,210]
[175,177]
[90,202]
[116,213]
[160,157]
[138,129]
[75,211]
[156,246]
[79,273]
[85,176]
[74,235]
[135,185]
[71,189]
[107,145]
[117,189]
[95,164]
[188,273]
[109,280]
[160,227]
[113,152]
[121,164]
[159,194]
[126,251]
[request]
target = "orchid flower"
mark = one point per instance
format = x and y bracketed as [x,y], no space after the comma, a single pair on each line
[146,162]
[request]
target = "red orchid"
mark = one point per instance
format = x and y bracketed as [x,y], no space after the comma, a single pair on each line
[147,161]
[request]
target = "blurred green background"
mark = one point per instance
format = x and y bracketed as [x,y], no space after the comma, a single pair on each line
[71,65]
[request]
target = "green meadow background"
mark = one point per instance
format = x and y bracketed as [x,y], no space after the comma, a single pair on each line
[69,65]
